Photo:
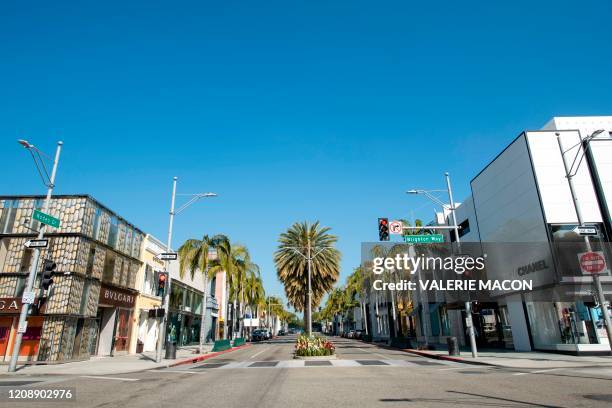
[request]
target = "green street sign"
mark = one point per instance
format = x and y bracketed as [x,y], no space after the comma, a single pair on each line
[46,219]
[424,239]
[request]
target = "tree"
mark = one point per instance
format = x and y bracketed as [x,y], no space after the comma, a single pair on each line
[194,256]
[300,241]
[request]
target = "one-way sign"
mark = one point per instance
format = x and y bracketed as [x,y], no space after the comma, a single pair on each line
[37,243]
[168,256]
[586,230]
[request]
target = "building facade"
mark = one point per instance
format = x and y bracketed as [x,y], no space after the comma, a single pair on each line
[521,214]
[145,321]
[88,309]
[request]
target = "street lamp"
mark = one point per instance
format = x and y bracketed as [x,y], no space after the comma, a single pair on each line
[309,257]
[452,208]
[50,183]
[570,172]
[162,329]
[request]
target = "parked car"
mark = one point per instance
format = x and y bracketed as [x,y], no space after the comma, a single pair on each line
[258,335]
[267,334]
[359,334]
[281,332]
[351,334]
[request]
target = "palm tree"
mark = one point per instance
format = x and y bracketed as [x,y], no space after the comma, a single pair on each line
[301,241]
[357,285]
[194,256]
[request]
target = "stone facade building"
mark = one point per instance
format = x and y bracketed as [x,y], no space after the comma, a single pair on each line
[88,309]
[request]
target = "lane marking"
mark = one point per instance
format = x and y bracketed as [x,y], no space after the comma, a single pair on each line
[256,354]
[99,377]
[538,371]
[371,352]
[176,371]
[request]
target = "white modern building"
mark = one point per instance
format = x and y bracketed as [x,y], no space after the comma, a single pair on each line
[521,213]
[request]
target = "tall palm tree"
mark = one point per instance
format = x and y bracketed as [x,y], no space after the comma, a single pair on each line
[194,256]
[255,294]
[299,242]
[225,262]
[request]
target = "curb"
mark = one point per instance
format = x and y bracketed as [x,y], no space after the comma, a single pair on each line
[206,356]
[446,358]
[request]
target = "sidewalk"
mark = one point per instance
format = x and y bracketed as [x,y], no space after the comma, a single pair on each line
[515,359]
[114,365]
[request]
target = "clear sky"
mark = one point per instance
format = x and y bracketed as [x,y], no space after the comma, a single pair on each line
[289,110]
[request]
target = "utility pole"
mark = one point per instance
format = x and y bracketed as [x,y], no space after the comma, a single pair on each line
[164,320]
[596,281]
[25,308]
[468,304]
[309,290]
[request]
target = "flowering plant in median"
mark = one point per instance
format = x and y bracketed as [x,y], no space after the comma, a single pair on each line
[313,346]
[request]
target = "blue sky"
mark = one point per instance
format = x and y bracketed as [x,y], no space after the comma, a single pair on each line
[289,110]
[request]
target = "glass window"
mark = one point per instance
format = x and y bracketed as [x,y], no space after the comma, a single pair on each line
[26,260]
[109,266]
[90,260]
[150,281]
[127,248]
[85,297]
[112,234]
[7,220]
[96,222]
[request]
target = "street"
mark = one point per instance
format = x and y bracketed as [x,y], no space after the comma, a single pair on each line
[265,374]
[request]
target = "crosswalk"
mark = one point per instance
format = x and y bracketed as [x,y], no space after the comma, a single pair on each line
[312,363]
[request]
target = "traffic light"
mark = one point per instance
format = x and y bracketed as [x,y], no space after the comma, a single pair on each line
[383,229]
[162,279]
[47,274]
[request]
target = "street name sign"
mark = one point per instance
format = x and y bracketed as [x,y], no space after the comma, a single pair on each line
[46,219]
[396,227]
[37,243]
[168,256]
[584,230]
[424,239]
[24,328]
[592,262]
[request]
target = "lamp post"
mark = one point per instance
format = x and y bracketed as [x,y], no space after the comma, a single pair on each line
[570,172]
[468,304]
[30,284]
[309,257]
[166,304]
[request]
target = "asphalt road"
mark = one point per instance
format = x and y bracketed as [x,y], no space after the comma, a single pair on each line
[364,375]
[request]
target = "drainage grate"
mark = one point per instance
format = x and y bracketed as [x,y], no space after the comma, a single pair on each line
[264,364]
[16,383]
[425,363]
[211,365]
[317,363]
[371,362]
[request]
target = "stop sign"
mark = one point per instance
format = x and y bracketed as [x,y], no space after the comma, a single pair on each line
[592,262]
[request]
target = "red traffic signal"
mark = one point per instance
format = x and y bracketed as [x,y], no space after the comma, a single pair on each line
[383,229]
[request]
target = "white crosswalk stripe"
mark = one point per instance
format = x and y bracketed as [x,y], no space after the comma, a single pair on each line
[318,364]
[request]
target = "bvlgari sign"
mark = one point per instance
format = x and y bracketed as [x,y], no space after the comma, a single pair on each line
[112,296]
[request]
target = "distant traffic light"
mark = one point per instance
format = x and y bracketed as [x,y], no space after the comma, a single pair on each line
[162,279]
[47,274]
[383,229]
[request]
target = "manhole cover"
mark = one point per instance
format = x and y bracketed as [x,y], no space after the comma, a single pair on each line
[371,362]
[264,364]
[317,363]
[599,397]
[16,383]
[425,363]
[212,365]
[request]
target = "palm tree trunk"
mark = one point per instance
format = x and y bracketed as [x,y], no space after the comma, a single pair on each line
[364,318]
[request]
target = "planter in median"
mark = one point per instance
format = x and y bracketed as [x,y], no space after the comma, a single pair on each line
[221,345]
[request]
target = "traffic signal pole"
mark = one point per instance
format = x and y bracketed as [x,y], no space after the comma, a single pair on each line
[25,307]
[164,320]
[468,304]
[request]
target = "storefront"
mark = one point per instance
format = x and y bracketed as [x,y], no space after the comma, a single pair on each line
[9,321]
[115,310]
[185,315]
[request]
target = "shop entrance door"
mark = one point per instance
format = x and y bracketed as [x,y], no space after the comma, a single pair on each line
[5,332]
